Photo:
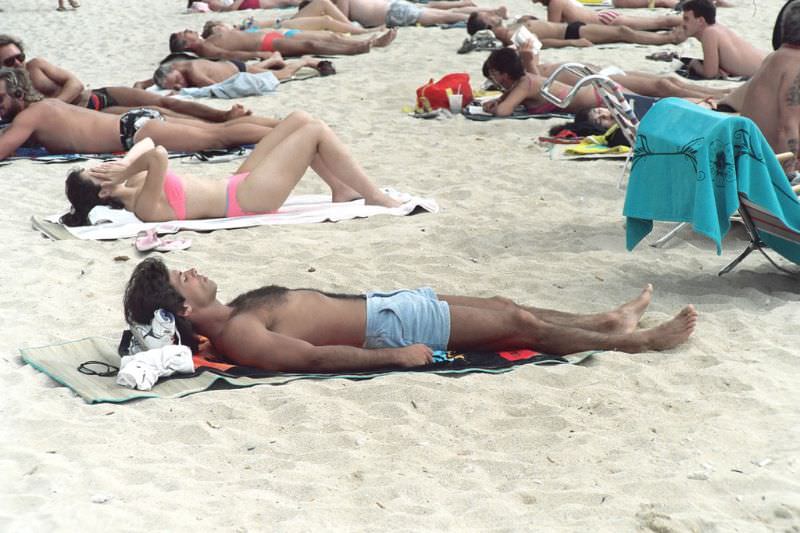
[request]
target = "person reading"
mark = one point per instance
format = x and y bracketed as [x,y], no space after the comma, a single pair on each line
[143,183]
[305,330]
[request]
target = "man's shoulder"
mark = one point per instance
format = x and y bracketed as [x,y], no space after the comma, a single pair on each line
[37,62]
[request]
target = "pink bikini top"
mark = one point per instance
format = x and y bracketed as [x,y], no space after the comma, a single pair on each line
[176,196]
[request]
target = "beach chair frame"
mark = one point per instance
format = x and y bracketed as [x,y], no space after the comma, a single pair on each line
[756,219]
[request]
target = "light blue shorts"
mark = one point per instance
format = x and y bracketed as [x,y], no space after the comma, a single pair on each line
[405,317]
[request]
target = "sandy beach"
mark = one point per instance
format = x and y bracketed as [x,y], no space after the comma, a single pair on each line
[703,437]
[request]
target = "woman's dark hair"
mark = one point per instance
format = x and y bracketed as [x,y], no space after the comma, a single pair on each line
[505,60]
[84,195]
[303,4]
[582,127]
[474,25]
[149,289]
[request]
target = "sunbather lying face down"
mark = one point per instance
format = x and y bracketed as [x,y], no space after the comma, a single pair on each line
[143,184]
[305,330]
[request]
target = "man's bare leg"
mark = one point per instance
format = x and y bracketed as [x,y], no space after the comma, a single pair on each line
[648,23]
[190,136]
[632,4]
[486,329]
[662,86]
[326,23]
[319,8]
[130,97]
[601,34]
[623,319]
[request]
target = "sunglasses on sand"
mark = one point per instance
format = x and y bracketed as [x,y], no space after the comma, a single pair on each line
[11,61]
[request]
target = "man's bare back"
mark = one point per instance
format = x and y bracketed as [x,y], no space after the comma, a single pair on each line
[772,99]
[62,128]
[735,55]
[336,320]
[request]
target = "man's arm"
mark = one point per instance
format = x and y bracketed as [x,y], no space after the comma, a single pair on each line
[256,346]
[17,133]
[709,66]
[71,86]
[788,138]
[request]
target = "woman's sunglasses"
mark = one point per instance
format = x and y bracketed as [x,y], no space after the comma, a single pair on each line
[11,61]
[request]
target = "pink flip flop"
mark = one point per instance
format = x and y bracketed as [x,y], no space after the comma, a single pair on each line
[148,240]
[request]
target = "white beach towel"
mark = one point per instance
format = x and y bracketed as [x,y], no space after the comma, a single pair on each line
[300,209]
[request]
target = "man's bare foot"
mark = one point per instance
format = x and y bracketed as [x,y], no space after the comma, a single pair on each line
[626,317]
[678,35]
[385,39]
[502,12]
[664,336]
[237,111]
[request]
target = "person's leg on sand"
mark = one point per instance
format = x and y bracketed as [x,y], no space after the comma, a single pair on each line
[129,97]
[282,158]
[182,135]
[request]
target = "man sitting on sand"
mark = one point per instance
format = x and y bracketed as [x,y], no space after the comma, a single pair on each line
[392,13]
[772,96]
[64,128]
[305,330]
[205,72]
[229,43]
[572,11]
[54,82]
[560,34]
[724,52]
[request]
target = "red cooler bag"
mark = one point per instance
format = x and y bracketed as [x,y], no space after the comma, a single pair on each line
[434,95]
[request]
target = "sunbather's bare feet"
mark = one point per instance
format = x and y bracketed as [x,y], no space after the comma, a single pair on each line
[664,336]
[678,35]
[382,199]
[625,318]
[237,111]
[502,12]
[385,39]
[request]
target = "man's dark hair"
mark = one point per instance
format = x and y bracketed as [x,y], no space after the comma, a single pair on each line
[84,195]
[474,25]
[505,60]
[176,43]
[790,25]
[702,8]
[8,39]
[303,4]
[149,289]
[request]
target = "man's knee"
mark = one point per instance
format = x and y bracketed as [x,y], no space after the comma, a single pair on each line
[506,303]
[626,33]
[664,87]
[300,116]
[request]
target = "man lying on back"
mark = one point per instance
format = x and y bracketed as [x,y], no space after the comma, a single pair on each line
[306,330]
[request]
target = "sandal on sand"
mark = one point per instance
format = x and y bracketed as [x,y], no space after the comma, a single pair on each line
[325,68]
[662,56]
[148,240]
[75,4]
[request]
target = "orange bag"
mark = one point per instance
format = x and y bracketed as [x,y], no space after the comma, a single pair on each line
[434,95]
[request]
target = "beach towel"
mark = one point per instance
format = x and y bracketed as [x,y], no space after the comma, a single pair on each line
[61,363]
[237,86]
[690,164]
[300,209]
[589,152]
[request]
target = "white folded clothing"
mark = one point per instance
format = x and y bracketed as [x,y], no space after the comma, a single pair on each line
[141,371]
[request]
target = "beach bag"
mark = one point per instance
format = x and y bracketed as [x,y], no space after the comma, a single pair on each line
[434,95]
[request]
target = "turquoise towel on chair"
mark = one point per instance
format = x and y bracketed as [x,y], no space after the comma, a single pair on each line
[690,163]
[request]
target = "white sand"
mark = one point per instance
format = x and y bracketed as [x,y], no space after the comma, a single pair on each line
[613,446]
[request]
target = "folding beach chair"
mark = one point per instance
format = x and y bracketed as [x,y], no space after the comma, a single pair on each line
[765,229]
[609,91]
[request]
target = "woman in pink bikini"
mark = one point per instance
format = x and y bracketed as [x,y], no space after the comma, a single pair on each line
[143,184]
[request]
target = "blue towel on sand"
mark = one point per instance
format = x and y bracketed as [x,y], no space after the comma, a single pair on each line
[690,163]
